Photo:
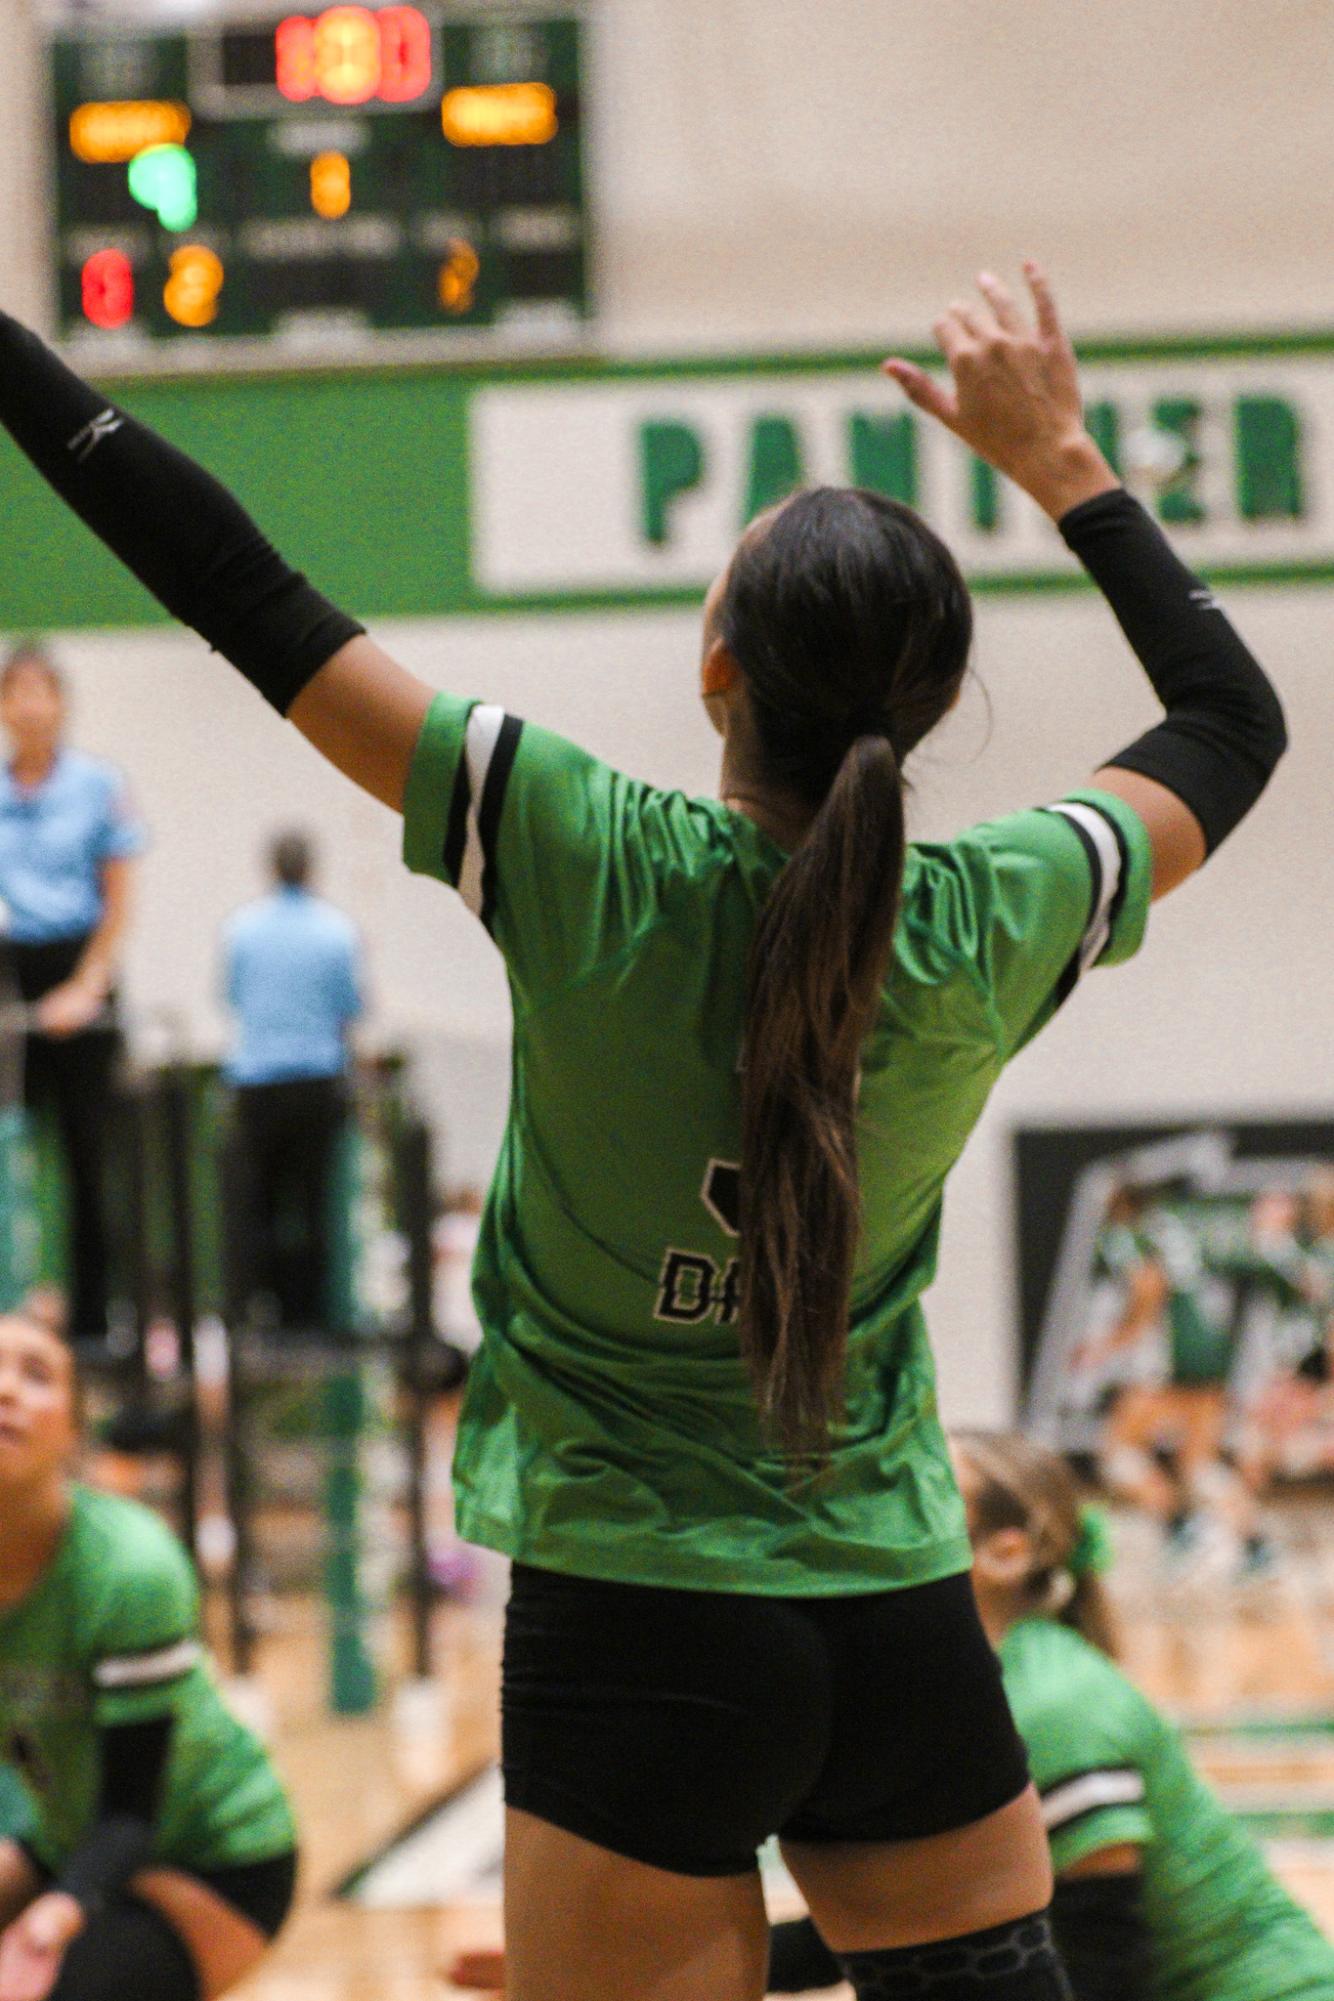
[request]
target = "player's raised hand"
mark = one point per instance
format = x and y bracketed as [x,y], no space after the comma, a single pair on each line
[1013,394]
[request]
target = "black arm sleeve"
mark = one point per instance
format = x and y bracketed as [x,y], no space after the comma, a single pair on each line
[1224,732]
[134,1763]
[1103,1936]
[799,1960]
[171,523]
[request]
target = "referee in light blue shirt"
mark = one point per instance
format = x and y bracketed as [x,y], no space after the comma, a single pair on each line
[293,983]
[68,838]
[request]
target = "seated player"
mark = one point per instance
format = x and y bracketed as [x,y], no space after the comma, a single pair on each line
[1160,1896]
[151,1854]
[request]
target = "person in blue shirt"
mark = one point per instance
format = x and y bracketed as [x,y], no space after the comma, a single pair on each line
[293,983]
[68,840]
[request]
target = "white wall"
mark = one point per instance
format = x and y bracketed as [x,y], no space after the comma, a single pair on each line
[784,172]
[774,173]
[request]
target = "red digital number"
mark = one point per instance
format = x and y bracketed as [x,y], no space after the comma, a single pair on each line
[295,48]
[348,55]
[108,289]
[405,55]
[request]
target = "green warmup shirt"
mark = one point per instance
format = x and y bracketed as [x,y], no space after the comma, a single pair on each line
[1111,1770]
[109,1635]
[610,1428]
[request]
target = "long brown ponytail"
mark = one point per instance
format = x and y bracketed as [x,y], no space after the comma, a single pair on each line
[851,624]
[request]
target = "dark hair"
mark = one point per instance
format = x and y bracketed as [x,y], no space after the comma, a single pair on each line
[30,653]
[851,625]
[1022,1485]
[291,858]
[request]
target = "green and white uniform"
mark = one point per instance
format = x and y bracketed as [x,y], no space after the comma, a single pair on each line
[1200,1305]
[109,1635]
[1111,1771]
[610,1427]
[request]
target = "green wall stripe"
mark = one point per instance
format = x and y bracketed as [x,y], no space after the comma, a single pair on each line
[362,479]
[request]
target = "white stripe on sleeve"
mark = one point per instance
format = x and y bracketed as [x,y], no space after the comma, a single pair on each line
[484,725]
[1089,1791]
[141,1670]
[1108,849]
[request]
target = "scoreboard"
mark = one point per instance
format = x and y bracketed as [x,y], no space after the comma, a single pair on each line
[310,180]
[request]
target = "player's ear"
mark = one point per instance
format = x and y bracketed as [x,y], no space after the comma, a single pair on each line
[718,670]
[719,678]
[1004,1559]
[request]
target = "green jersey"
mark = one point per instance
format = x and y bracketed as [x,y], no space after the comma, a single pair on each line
[109,1635]
[1112,1771]
[610,1427]
[1200,1307]
[15,1807]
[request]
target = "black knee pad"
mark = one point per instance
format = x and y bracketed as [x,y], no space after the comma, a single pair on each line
[1017,1961]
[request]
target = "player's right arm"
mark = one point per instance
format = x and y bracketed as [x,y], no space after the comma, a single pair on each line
[195,548]
[1014,398]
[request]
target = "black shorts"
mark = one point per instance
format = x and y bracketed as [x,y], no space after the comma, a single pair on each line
[683,1728]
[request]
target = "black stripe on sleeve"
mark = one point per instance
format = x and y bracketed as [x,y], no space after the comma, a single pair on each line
[493,801]
[1118,901]
[1069,979]
[456,831]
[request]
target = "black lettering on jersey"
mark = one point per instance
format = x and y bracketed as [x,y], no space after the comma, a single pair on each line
[729,1294]
[721,1195]
[692,1288]
[685,1291]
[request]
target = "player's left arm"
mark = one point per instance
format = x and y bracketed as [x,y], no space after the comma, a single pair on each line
[199,553]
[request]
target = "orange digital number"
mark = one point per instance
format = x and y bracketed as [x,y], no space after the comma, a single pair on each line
[457,284]
[191,295]
[347,55]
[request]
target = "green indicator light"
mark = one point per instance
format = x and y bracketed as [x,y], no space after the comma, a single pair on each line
[164,179]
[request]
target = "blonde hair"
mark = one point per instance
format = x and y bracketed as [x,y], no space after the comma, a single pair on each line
[1024,1486]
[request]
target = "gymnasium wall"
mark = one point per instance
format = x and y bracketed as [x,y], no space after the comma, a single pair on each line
[748,200]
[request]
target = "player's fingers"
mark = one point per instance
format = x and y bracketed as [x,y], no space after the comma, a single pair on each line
[1044,303]
[1002,302]
[953,338]
[922,389]
[974,319]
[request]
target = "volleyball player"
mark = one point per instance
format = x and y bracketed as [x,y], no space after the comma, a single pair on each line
[702,1419]
[151,1853]
[1163,1446]
[1160,1896]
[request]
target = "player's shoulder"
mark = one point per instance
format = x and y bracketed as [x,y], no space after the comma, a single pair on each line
[963,880]
[121,1545]
[1065,1690]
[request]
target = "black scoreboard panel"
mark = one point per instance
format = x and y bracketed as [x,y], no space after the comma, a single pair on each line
[403,168]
